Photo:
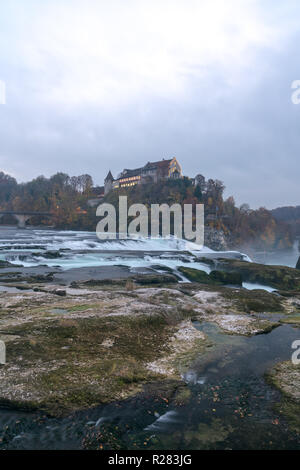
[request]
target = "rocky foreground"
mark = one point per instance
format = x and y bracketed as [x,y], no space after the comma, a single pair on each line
[74,346]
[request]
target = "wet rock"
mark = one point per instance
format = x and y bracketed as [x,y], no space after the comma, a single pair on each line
[291,319]
[182,396]
[60,292]
[195,275]
[160,267]
[254,300]
[98,328]
[209,261]
[286,377]
[215,239]
[51,254]
[223,277]
[21,247]
[142,279]
[155,278]
[207,434]
[7,264]
[110,365]
[279,277]
[98,283]
[40,278]
[215,277]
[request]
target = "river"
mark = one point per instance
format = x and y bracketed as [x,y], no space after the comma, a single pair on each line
[226,404]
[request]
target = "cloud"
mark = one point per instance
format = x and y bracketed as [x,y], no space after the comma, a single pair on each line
[93,85]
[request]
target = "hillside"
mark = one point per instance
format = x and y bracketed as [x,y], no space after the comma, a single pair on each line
[227,226]
[289,215]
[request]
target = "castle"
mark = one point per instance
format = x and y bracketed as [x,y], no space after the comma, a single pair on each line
[152,172]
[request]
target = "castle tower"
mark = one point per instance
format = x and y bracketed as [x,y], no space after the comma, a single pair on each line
[108,182]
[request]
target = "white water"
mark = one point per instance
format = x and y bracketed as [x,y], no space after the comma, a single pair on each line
[84,249]
[71,240]
[170,417]
[252,286]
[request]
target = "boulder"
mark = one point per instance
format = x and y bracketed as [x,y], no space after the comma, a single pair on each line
[298,264]
[215,277]
[60,292]
[279,277]
[7,264]
[51,254]
[195,275]
[215,239]
[223,277]
[154,278]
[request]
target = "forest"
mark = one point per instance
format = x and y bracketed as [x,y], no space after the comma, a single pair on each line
[290,215]
[66,197]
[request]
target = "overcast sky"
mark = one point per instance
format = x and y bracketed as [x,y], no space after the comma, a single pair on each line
[93,85]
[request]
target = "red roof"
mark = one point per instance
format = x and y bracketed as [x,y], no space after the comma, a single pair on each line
[159,164]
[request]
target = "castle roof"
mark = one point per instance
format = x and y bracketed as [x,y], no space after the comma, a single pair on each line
[109,176]
[126,173]
[161,164]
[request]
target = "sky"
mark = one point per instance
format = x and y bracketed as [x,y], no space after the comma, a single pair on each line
[92,85]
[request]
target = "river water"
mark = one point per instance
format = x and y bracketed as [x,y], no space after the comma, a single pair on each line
[226,404]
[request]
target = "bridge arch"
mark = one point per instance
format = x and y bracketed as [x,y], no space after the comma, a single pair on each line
[23,216]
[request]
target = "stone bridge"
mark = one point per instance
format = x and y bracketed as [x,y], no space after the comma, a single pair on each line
[23,216]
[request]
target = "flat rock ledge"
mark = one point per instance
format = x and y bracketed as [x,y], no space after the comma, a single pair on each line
[102,342]
[286,377]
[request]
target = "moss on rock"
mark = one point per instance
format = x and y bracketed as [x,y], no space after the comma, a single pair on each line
[286,377]
[215,277]
[94,352]
[279,277]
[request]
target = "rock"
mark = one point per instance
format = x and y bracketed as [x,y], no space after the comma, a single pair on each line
[195,275]
[215,239]
[51,254]
[142,279]
[286,377]
[102,324]
[22,247]
[279,277]
[298,264]
[60,292]
[41,278]
[226,278]
[7,264]
[154,278]
[159,267]
[102,327]
[208,261]
[215,277]
[291,319]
